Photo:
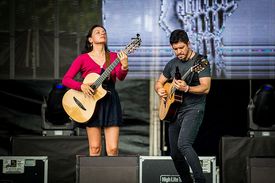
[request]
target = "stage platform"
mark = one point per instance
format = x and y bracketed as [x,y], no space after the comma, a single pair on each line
[239,158]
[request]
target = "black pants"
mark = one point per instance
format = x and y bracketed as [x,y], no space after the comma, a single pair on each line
[182,134]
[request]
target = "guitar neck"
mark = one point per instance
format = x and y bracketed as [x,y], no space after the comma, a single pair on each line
[186,74]
[128,49]
[105,74]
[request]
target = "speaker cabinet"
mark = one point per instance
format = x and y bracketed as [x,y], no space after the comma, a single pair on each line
[118,169]
[261,170]
[234,154]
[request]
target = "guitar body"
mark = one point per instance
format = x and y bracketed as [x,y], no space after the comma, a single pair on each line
[79,106]
[168,108]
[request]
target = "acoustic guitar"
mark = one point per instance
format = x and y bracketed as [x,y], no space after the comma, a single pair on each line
[81,107]
[168,107]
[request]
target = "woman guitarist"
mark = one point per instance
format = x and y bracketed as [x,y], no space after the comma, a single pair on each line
[107,115]
[185,126]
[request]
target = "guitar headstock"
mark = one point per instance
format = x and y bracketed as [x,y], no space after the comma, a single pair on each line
[203,63]
[135,43]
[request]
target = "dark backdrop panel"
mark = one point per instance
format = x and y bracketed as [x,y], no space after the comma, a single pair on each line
[61,152]
[21,102]
[235,152]
[226,112]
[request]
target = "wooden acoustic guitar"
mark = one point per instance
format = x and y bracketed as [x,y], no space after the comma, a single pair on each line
[81,107]
[168,108]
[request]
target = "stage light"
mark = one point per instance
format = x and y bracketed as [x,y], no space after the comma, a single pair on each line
[264,101]
[261,109]
[55,120]
[54,112]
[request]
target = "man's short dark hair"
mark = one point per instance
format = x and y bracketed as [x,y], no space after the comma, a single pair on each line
[179,35]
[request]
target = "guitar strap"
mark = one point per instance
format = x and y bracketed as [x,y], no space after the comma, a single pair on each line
[107,57]
[107,62]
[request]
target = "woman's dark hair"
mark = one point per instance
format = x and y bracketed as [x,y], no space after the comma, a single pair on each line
[179,35]
[88,47]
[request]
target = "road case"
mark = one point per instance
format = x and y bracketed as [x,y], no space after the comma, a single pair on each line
[18,169]
[160,169]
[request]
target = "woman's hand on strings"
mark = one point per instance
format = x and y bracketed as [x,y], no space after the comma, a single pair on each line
[86,89]
[122,56]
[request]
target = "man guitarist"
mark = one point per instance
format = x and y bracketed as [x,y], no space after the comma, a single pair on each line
[108,114]
[189,115]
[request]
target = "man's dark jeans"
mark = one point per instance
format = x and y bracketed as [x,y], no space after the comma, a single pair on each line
[182,134]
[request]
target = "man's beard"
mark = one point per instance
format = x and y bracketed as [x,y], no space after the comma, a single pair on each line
[182,59]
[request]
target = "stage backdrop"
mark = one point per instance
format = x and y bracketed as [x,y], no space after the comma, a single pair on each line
[40,39]
[238,42]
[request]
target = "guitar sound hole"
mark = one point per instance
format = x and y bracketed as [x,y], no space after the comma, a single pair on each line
[79,104]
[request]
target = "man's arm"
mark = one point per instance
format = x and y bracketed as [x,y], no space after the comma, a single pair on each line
[203,88]
[159,86]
